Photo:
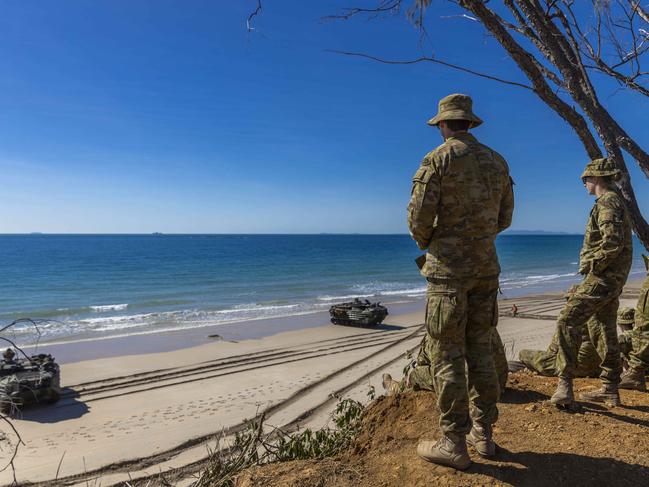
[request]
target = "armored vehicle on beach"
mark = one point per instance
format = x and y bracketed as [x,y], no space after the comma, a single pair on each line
[29,380]
[358,313]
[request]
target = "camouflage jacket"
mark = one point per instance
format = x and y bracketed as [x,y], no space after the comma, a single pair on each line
[462,196]
[642,308]
[607,248]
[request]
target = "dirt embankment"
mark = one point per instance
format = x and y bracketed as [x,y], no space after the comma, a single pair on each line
[538,445]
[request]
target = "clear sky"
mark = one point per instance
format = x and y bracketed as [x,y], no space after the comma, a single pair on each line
[140,116]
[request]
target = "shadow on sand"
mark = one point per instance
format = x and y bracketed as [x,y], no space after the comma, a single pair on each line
[387,327]
[68,407]
[517,396]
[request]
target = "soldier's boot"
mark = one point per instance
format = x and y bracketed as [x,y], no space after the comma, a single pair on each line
[633,379]
[608,394]
[481,438]
[450,450]
[563,396]
[390,385]
[515,365]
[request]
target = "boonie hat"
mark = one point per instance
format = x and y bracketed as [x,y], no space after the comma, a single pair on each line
[455,107]
[600,168]
[625,316]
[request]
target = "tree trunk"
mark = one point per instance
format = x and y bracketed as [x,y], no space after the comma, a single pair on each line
[557,49]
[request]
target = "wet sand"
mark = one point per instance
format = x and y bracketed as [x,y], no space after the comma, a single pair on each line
[134,414]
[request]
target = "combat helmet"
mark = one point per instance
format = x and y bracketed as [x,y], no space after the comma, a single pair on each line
[455,107]
[601,168]
[625,317]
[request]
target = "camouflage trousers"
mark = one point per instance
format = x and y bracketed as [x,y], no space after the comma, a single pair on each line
[544,362]
[421,377]
[639,353]
[460,318]
[592,308]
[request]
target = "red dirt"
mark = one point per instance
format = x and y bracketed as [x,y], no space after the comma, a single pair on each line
[538,445]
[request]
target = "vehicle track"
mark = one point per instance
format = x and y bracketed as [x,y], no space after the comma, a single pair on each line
[124,385]
[382,339]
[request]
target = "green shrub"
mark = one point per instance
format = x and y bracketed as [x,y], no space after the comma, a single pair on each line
[252,446]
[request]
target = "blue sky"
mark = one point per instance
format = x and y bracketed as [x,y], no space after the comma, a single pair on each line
[138,116]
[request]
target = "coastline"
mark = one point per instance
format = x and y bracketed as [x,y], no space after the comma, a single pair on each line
[167,341]
[133,407]
[86,288]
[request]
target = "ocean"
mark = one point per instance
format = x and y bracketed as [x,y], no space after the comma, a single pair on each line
[94,286]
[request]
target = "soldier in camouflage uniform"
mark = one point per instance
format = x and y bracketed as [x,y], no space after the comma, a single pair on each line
[543,362]
[419,375]
[605,261]
[638,358]
[461,198]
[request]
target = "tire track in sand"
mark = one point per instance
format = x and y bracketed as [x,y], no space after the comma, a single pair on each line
[194,449]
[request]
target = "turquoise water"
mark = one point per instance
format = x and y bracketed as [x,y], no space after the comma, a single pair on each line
[110,285]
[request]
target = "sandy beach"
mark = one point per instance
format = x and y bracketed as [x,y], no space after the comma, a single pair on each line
[134,415]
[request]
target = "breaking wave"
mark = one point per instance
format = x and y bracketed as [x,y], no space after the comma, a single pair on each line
[109,307]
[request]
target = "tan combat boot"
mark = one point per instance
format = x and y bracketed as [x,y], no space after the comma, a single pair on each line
[390,385]
[633,379]
[608,394]
[450,450]
[563,396]
[481,438]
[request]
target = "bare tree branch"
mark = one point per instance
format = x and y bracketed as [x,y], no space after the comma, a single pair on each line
[635,5]
[386,6]
[435,61]
[252,15]
[525,62]
[613,46]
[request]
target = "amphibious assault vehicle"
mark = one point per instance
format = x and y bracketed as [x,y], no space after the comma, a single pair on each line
[358,313]
[29,380]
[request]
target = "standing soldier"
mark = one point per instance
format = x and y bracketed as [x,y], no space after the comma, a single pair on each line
[605,261]
[462,197]
[634,376]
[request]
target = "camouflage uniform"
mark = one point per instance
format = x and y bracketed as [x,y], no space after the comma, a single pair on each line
[421,377]
[544,362]
[639,355]
[605,260]
[461,198]
[634,343]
